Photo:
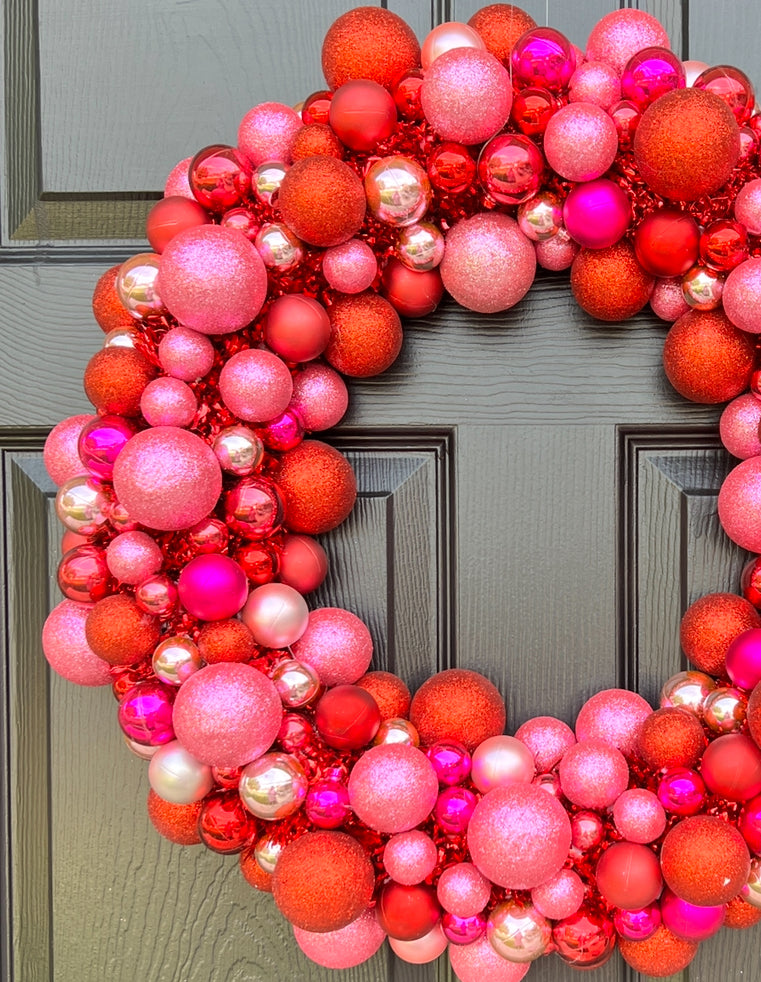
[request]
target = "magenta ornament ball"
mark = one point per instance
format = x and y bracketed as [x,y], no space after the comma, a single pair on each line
[212,279]
[479,961]
[168,402]
[423,950]
[146,713]
[167,478]
[466,95]
[688,921]
[581,141]
[619,35]
[593,774]
[639,816]
[61,452]
[393,787]
[463,890]
[748,206]
[267,132]
[543,57]
[742,296]
[638,925]
[547,738]
[345,948]
[133,556]
[255,385]
[276,615]
[227,715]
[337,644]
[650,74]
[100,443]
[500,761]
[519,836]
[65,646]
[597,214]
[614,716]
[212,587]
[489,264]
[410,857]
[743,659]
[740,505]
[450,760]
[185,354]
[320,397]
[560,896]
[454,809]
[739,426]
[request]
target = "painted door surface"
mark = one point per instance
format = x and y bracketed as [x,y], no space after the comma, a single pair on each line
[536,502]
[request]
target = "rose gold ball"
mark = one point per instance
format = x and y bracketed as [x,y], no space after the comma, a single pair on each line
[297,684]
[176,659]
[239,450]
[398,190]
[397,730]
[518,934]
[279,248]
[274,786]
[725,709]
[687,690]
[702,288]
[136,285]
[420,246]
[541,217]
[267,852]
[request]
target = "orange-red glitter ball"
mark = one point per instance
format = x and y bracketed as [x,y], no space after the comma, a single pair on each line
[323,881]
[705,860]
[119,632]
[500,25]
[227,640]
[388,690]
[687,144]
[706,358]
[252,871]
[316,140]
[109,311]
[369,42]
[457,704]
[754,714]
[115,379]
[366,335]
[671,737]
[178,823]
[609,283]
[711,624]
[318,487]
[660,955]
[740,914]
[322,200]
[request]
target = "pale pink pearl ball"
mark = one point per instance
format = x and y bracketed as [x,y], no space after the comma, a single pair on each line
[739,426]
[177,183]
[560,896]
[422,950]
[593,774]
[479,962]
[445,37]
[393,787]
[500,761]
[692,69]
[488,263]
[748,206]
[212,279]
[267,132]
[596,83]
[547,738]
[168,402]
[61,454]
[581,141]
[466,95]
[320,397]
[337,644]
[667,299]
[350,267]
[167,478]
[66,649]
[410,857]
[133,556]
[186,354]
[639,816]
[740,504]
[227,715]
[462,890]
[345,948]
[614,716]
[742,296]
[622,33]
[557,253]
[256,385]
[276,615]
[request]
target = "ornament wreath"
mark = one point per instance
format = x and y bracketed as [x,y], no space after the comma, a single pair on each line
[192,496]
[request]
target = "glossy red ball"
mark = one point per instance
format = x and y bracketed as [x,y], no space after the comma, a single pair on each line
[169,217]
[316,108]
[451,168]
[362,114]
[83,574]
[750,583]
[347,717]
[225,824]
[666,242]
[532,110]
[412,293]
[724,245]
[586,939]
[220,177]
[407,912]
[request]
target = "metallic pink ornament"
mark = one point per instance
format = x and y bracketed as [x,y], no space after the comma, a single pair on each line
[688,922]
[267,179]
[186,354]
[276,615]
[614,716]
[83,574]
[510,168]
[667,300]
[410,857]
[254,508]
[639,816]
[255,385]
[101,440]
[560,896]
[420,246]
[336,644]
[176,776]
[238,450]
[749,824]
[284,432]
[649,74]
[597,213]
[220,177]
[350,267]
[463,930]
[692,69]
[137,285]
[398,190]
[595,82]
[83,505]
[580,142]
[157,595]
[638,925]
[743,659]
[541,217]
[518,933]
[65,646]
[446,37]
[450,760]
[273,786]
[687,690]
[454,809]
[320,397]
[619,35]
[61,451]
[751,892]
[208,535]
[731,86]
[145,713]
[593,774]
[175,660]
[241,220]
[682,791]
[725,709]
[296,733]
[587,831]
[327,803]
[297,684]
[267,132]
[278,246]
[702,288]
[168,402]
[500,761]
[543,57]
[134,556]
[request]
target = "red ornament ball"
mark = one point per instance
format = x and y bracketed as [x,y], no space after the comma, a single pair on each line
[687,144]
[628,876]
[318,487]
[389,692]
[347,717]
[754,714]
[500,25]
[322,200]
[107,308]
[705,860]
[407,912]
[410,292]
[369,43]
[323,881]
[178,823]
[316,140]
[226,640]
[671,737]
[706,358]
[666,242]
[169,217]
[609,283]
[731,767]
[115,379]
[362,114]
[711,624]
[119,632]
[366,335]
[457,704]
[739,914]
[224,824]
[253,872]
[660,955]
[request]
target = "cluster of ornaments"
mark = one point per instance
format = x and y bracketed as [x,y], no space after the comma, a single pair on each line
[192,497]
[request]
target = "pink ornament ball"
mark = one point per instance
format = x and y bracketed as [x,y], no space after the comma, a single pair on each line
[488,263]
[167,478]
[145,713]
[345,948]
[547,738]
[267,132]
[61,452]
[688,921]
[133,556]
[557,253]
[227,715]
[559,897]
[65,646]
[446,37]
[667,299]
[593,774]
[177,182]
[393,787]
[639,816]
[596,83]
[410,857]
[276,615]
[168,402]
[740,504]
[742,296]
[350,267]
[297,328]
[337,644]
[581,141]
[479,961]
[212,279]
[748,206]
[619,35]
[212,587]
[186,354]
[615,717]
[519,836]
[500,761]
[320,397]
[303,563]
[466,95]
[255,385]
[739,426]
[597,214]
[423,950]
[462,890]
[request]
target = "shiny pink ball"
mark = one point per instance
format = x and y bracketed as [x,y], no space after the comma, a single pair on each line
[65,646]
[450,760]
[740,504]
[595,82]
[254,508]
[593,774]
[393,787]
[742,296]
[580,142]
[488,264]
[267,132]
[615,717]
[478,961]
[284,432]
[61,451]
[227,715]
[619,35]
[186,354]
[466,95]
[454,809]
[320,397]
[337,644]
[255,385]
[649,74]
[519,836]
[350,267]
[100,443]
[639,815]
[749,824]
[463,930]
[500,761]
[446,37]
[688,921]
[667,299]
[145,713]
[303,563]
[212,279]
[739,426]
[748,206]
[547,738]
[276,615]
[345,948]
[133,556]
[543,57]
[638,925]
[212,587]
[560,896]
[168,402]
[297,327]
[463,890]
[597,214]
[558,252]
[628,875]
[327,803]
[682,791]
[410,857]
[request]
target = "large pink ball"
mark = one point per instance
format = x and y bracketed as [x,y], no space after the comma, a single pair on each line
[596,214]
[547,738]
[742,296]
[621,34]
[167,478]
[462,890]
[581,141]
[593,774]
[255,385]
[227,715]
[559,897]
[276,615]
[320,397]
[212,279]
[337,644]
[748,206]
[739,426]
[345,948]
[488,264]
[212,587]
[61,452]
[615,717]
[66,649]
[519,836]
[410,857]
[466,95]
[393,787]
[740,504]
[267,132]
[479,961]
[133,556]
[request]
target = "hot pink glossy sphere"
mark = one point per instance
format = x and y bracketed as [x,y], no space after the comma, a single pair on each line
[743,659]
[256,385]
[393,787]
[649,74]
[100,443]
[597,214]
[689,922]
[212,587]
[543,57]
[145,713]
[276,615]
[410,857]
[337,644]
[450,760]
[580,142]
[638,925]
[65,646]
[454,809]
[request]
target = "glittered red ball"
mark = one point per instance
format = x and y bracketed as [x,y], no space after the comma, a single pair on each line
[407,913]
[318,487]
[687,144]
[228,640]
[457,704]
[389,692]
[366,335]
[706,358]
[178,823]
[500,25]
[322,200]
[739,914]
[253,873]
[711,624]
[119,632]
[316,140]
[412,293]
[666,242]
[169,217]
[754,714]
[115,379]
[671,738]
[609,283]
[323,881]
[347,717]
[107,308]
[660,955]
[705,861]
[369,42]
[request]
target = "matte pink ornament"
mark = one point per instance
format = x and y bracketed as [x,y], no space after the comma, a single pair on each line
[303,563]
[61,452]
[186,354]
[446,37]
[267,132]
[667,299]
[619,35]
[320,397]
[558,252]
[423,950]
[689,922]
[547,738]
[595,82]
[345,948]
[747,206]
[580,142]
[297,327]
[742,296]
[479,961]
[410,857]
[615,717]
[65,646]
[212,587]
[350,267]
[639,816]
[168,402]
[593,774]
[276,615]
[560,896]
[500,761]
[739,426]
[597,213]
[255,385]
[740,504]
[463,890]
[337,644]
[133,556]
[393,787]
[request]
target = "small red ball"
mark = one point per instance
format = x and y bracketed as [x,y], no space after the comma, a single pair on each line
[316,140]
[366,335]
[451,168]
[671,738]
[253,873]
[731,767]
[369,42]
[457,704]
[407,913]
[115,379]
[169,217]
[228,640]
[412,293]
[316,108]
[322,200]
[297,327]
[740,914]
[178,823]
[711,624]
[362,114]
[705,861]
[389,692]
[500,25]
[724,245]
[318,487]
[532,110]
[660,955]
[119,632]
[225,825]
[107,308]
[666,242]
[347,717]
[706,358]
[628,876]
[754,714]
[609,283]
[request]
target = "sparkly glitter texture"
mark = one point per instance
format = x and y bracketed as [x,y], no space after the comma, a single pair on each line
[462,890]
[580,141]
[739,501]
[65,645]
[561,896]
[337,644]
[547,738]
[107,308]
[739,427]
[410,857]
[61,454]
[348,946]
[741,297]
[457,704]
[593,774]
[393,787]
[178,823]
[621,34]
[322,200]
[316,140]
[705,860]
[115,379]
[615,717]
[389,692]
[119,632]
[706,358]
[366,335]
[500,25]
[609,283]
[320,397]
[318,487]
[660,955]
[369,42]
[478,961]
[267,132]
[710,625]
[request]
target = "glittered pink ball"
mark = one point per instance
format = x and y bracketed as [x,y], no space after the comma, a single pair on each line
[742,296]
[320,397]
[596,83]
[255,385]
[350,267]
[410,857]
[337,644]
[212,279]
[463,890]
[581,141]
[500,761]
[393,787]
[186,354]
[748,206]
[615,717]
[167,478]
[227,715]
[345,948]
[466,95]
[423,950]
[488,263]
[61,452]
[597,214]
[303,563]
[740,504]
[639,816]
[478,961]
[177,182]
[739,426]
[276,615]
[133,556]
[212,587]
[593,774]
[561,896]
[267,132]
[66,649]
[618,36]
[558,252]
[743,659]
[519,836]
[688,921]
[168,402]
[667,299]
[547,738]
